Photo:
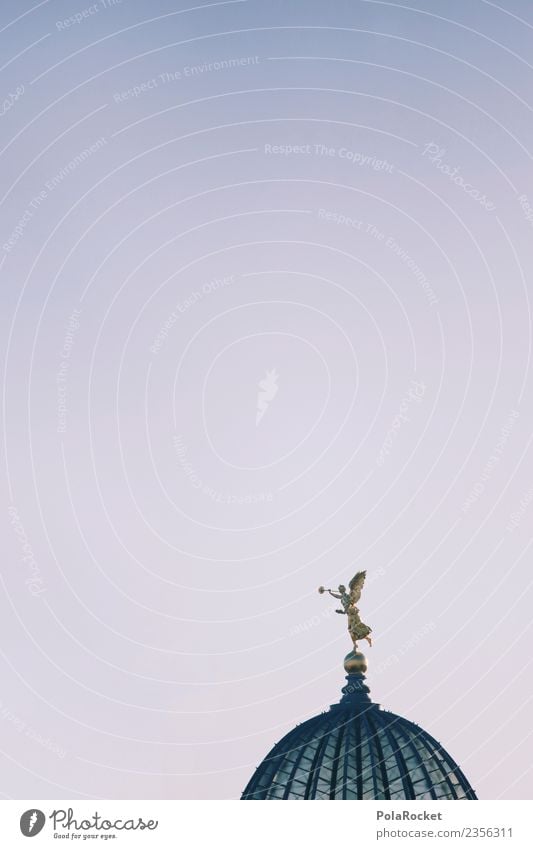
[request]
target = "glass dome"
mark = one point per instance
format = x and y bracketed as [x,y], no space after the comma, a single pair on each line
[356,750]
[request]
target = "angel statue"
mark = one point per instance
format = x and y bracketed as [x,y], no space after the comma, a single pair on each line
[357,629]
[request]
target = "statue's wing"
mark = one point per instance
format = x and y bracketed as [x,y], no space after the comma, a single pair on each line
[356,586]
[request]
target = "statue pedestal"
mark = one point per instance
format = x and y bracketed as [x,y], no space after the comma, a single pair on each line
[355,692]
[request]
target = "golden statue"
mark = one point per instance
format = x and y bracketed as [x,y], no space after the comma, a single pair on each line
[357,629]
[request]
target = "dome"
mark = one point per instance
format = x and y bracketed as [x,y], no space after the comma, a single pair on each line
[356,750]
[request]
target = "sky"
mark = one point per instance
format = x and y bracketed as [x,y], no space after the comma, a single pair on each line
[265,321]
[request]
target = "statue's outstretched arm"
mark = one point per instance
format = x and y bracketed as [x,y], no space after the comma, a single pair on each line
[335,595]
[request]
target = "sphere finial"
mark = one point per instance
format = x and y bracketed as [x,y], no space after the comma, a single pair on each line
[355,662]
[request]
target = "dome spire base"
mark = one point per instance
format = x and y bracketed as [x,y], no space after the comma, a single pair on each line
[355,692]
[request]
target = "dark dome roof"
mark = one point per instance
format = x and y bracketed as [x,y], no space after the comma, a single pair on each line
[358,751]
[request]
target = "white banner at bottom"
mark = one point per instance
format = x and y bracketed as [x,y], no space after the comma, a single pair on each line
[264,825]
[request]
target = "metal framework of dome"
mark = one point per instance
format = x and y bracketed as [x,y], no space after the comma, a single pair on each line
[356,750]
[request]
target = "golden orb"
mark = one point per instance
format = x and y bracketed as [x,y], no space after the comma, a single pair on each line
[355,661]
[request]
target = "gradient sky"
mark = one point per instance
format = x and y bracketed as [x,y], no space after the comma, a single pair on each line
[334,200]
